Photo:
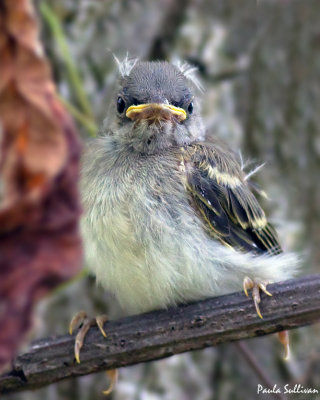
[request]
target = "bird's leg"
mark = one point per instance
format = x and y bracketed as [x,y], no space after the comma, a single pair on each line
[256,285]
[81,319]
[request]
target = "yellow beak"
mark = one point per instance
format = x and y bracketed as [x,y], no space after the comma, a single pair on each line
[155,111]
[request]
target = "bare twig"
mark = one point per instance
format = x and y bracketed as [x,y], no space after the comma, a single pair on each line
[163,333]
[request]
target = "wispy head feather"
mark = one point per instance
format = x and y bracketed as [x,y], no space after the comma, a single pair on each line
[190,72]
[125,66]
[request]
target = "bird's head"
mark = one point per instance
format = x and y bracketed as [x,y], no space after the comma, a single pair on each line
[155,108]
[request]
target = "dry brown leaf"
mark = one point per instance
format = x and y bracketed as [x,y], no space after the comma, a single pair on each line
[39,155]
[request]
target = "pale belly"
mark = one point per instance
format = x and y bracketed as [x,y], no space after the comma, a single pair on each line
[141,240]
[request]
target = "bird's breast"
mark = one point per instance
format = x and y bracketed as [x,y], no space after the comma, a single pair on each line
[133,225]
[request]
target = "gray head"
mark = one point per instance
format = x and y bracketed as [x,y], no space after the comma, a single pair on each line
[155,108]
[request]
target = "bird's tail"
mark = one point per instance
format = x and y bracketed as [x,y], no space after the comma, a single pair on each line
[269,268]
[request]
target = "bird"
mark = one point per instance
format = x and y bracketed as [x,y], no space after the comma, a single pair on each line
[170,216]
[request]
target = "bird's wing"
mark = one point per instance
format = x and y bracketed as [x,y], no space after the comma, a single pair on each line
[222,196]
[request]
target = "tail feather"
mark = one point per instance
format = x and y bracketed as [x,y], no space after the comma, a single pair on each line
[276,268]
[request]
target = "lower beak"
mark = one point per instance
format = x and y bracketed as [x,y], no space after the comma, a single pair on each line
[156,112]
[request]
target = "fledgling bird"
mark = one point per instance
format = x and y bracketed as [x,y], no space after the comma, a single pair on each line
[169,217]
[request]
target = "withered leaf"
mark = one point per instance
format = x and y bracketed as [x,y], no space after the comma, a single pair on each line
[40,244]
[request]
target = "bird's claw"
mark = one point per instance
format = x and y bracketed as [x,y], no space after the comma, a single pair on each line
[100,320]
[113,377]
[85,323]
[256,285]
[284,340]
[77,320]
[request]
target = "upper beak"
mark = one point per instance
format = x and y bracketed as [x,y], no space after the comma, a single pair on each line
[155,111]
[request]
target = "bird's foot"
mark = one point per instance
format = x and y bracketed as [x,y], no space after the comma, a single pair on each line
[81,319]
[256,285]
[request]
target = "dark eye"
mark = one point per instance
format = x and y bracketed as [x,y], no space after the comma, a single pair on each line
[121,105]
[190,108]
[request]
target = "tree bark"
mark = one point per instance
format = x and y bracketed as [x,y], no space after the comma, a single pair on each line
[163,333]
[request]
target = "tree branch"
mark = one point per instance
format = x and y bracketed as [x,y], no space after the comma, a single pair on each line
[161,334]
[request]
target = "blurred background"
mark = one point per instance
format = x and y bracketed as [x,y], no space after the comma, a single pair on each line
[259,62]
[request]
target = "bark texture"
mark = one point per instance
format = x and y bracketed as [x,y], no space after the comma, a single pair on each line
[161,334]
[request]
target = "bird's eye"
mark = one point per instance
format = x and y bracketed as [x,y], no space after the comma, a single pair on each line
[121,105]
[190,108]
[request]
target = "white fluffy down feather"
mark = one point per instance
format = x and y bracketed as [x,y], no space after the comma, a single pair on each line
[151,255]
